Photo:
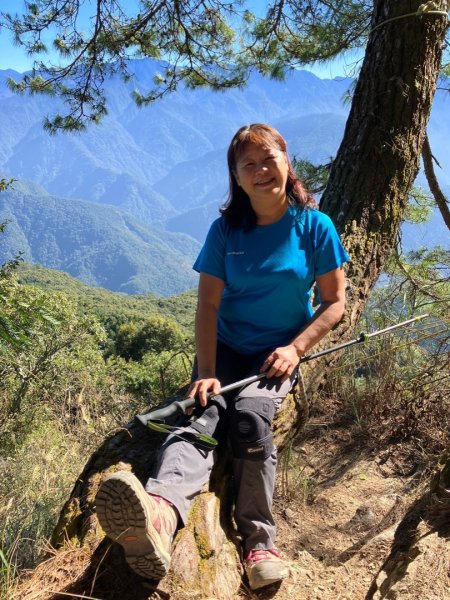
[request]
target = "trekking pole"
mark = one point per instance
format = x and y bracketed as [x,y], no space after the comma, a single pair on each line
[363,337]
[153,418]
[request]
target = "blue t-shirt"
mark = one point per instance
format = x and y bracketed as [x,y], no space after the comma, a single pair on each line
[268,274]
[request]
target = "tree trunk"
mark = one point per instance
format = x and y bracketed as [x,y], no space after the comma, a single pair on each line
[379,156]
[366,196]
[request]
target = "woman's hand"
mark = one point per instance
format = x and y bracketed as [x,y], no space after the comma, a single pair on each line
[203,388]
[282,362]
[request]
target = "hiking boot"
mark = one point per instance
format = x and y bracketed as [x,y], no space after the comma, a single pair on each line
[143,525]
[264,567]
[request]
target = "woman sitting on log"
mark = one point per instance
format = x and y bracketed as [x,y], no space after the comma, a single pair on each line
[257,268]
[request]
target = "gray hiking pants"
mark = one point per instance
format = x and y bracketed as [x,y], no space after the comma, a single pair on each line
[184,468]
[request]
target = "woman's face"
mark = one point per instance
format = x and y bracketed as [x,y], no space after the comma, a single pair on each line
[261,171]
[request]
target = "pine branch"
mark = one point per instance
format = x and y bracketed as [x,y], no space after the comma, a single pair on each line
[438,195]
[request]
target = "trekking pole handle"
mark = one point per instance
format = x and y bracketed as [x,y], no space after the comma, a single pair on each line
[160,414]
[180,406]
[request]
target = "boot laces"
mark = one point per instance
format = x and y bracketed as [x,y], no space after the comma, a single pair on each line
[258,555]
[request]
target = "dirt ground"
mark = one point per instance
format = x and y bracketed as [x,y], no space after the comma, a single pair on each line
[351,524]
[356,521]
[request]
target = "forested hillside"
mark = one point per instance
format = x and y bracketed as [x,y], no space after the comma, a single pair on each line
[74,362]
[100,245]
[109,308]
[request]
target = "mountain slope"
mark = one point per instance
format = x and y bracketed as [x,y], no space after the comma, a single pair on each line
[137,158]
[110,307]
[98,244]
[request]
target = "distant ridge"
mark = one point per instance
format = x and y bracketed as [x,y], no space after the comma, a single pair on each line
[160,161]
[98,244]
[147,182]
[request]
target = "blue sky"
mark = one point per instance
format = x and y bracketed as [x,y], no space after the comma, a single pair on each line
[13,57]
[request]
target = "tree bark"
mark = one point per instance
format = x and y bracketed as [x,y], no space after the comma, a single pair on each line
[366,197]
[378,159]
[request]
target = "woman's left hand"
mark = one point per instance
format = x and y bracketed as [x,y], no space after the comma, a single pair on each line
[281,362]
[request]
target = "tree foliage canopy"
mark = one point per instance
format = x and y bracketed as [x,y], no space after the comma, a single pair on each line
[156,334]
[199,42]
[193,38]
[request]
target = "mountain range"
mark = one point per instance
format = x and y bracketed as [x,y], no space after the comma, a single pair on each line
[127,204]
[99,244]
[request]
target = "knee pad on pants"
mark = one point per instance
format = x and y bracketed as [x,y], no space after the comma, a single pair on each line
[250,428]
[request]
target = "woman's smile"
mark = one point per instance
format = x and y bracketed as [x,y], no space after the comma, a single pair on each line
[264,181]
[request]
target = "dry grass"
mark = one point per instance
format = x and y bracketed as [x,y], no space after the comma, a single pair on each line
[397,400]
[57,571]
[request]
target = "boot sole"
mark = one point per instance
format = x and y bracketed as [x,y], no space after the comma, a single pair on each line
[123,514]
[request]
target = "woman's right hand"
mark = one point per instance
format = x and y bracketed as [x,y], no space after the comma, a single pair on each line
[203,388]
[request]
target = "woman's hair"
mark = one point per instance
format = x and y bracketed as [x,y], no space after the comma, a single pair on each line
[237,210]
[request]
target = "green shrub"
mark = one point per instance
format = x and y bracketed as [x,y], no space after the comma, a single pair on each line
[156,377]
[155,334]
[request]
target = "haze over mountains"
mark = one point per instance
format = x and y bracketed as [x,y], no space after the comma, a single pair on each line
[161,171]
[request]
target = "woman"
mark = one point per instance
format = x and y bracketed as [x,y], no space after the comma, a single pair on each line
[257,267]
